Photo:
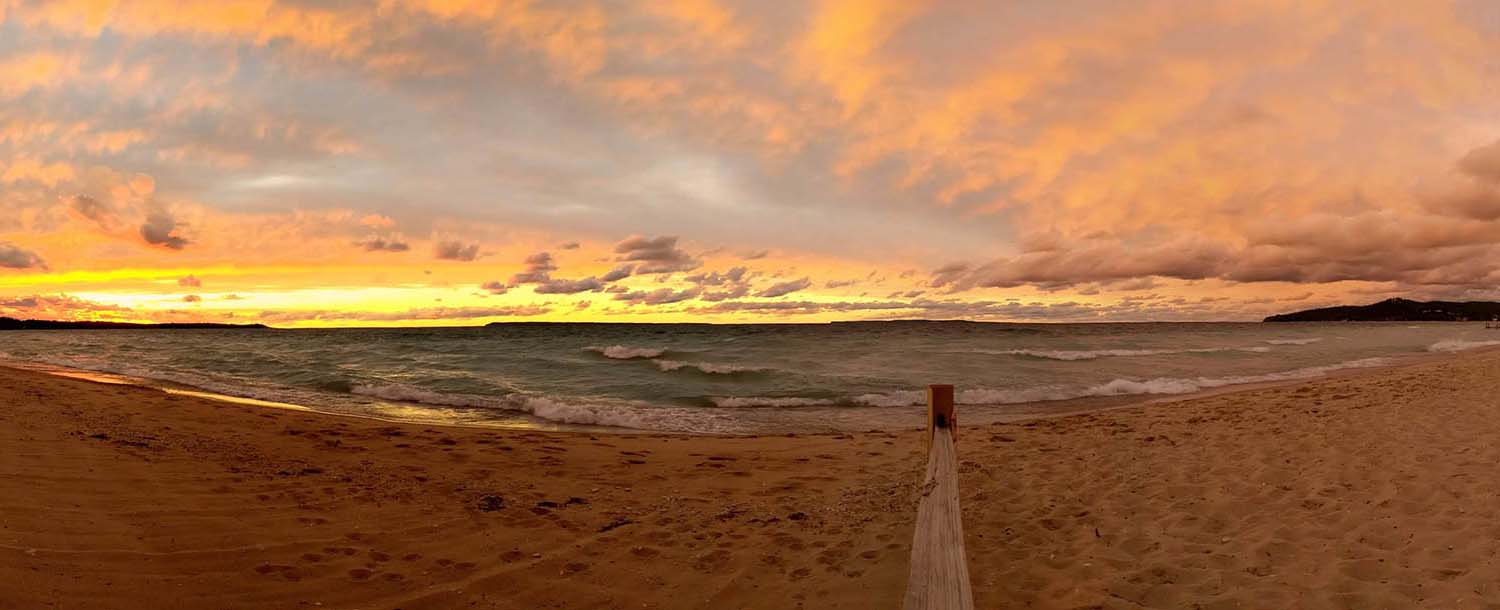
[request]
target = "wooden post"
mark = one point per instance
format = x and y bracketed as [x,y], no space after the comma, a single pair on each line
[939,578]
[940,410]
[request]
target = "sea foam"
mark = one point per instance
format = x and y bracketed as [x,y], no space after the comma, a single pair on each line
[706,367]
[1115,387]
[406,393]
[1070,355]
[1306,341]
[772,401]
[619,415]
[621,352]
[1458,345]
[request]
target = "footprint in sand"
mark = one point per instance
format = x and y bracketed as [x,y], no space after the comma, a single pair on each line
[712,561]
[272,569]
[360,574]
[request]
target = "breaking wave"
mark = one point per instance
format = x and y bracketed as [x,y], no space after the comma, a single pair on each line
[771,401]
[1458,345]
[406,393]
[620,415]
[1117,353]
[1116,387]
[706,367]
[621,352]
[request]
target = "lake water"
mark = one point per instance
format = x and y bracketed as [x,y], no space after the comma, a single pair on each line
[729,378]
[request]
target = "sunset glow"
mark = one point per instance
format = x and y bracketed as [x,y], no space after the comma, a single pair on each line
[454,163]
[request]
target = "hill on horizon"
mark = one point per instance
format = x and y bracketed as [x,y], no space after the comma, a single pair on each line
[1397,310]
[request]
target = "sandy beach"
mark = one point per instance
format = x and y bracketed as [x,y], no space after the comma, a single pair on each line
[1375,490]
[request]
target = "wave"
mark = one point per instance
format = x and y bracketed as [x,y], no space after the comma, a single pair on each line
[621,352]
[1294,341]
[1458,345]
[639,416]
[1115,387]
[706,367]
[1117,353]
[406,393]
[771,401]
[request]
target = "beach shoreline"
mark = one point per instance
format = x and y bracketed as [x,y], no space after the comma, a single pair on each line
[1370,489]
[988,413]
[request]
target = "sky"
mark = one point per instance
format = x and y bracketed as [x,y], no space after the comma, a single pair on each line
[449,162]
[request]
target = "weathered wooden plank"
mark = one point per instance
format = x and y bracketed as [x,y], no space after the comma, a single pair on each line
[939,566]
[940,411]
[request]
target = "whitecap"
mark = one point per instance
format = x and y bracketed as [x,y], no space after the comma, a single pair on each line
[1070,355]
[1114,387]
[705,367]
[1306,341]
[621,352]
[1458,345]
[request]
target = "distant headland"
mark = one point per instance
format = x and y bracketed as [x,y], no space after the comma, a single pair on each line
[14,324]
[1397,310]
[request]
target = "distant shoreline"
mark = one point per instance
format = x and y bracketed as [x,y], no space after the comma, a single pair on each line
[16,324]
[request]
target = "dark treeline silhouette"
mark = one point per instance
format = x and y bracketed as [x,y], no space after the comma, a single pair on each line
[14,324]
[1397,310]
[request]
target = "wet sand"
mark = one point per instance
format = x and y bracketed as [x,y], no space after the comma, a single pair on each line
[1375,490]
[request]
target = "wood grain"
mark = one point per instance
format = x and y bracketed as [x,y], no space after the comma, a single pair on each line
[939,566]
